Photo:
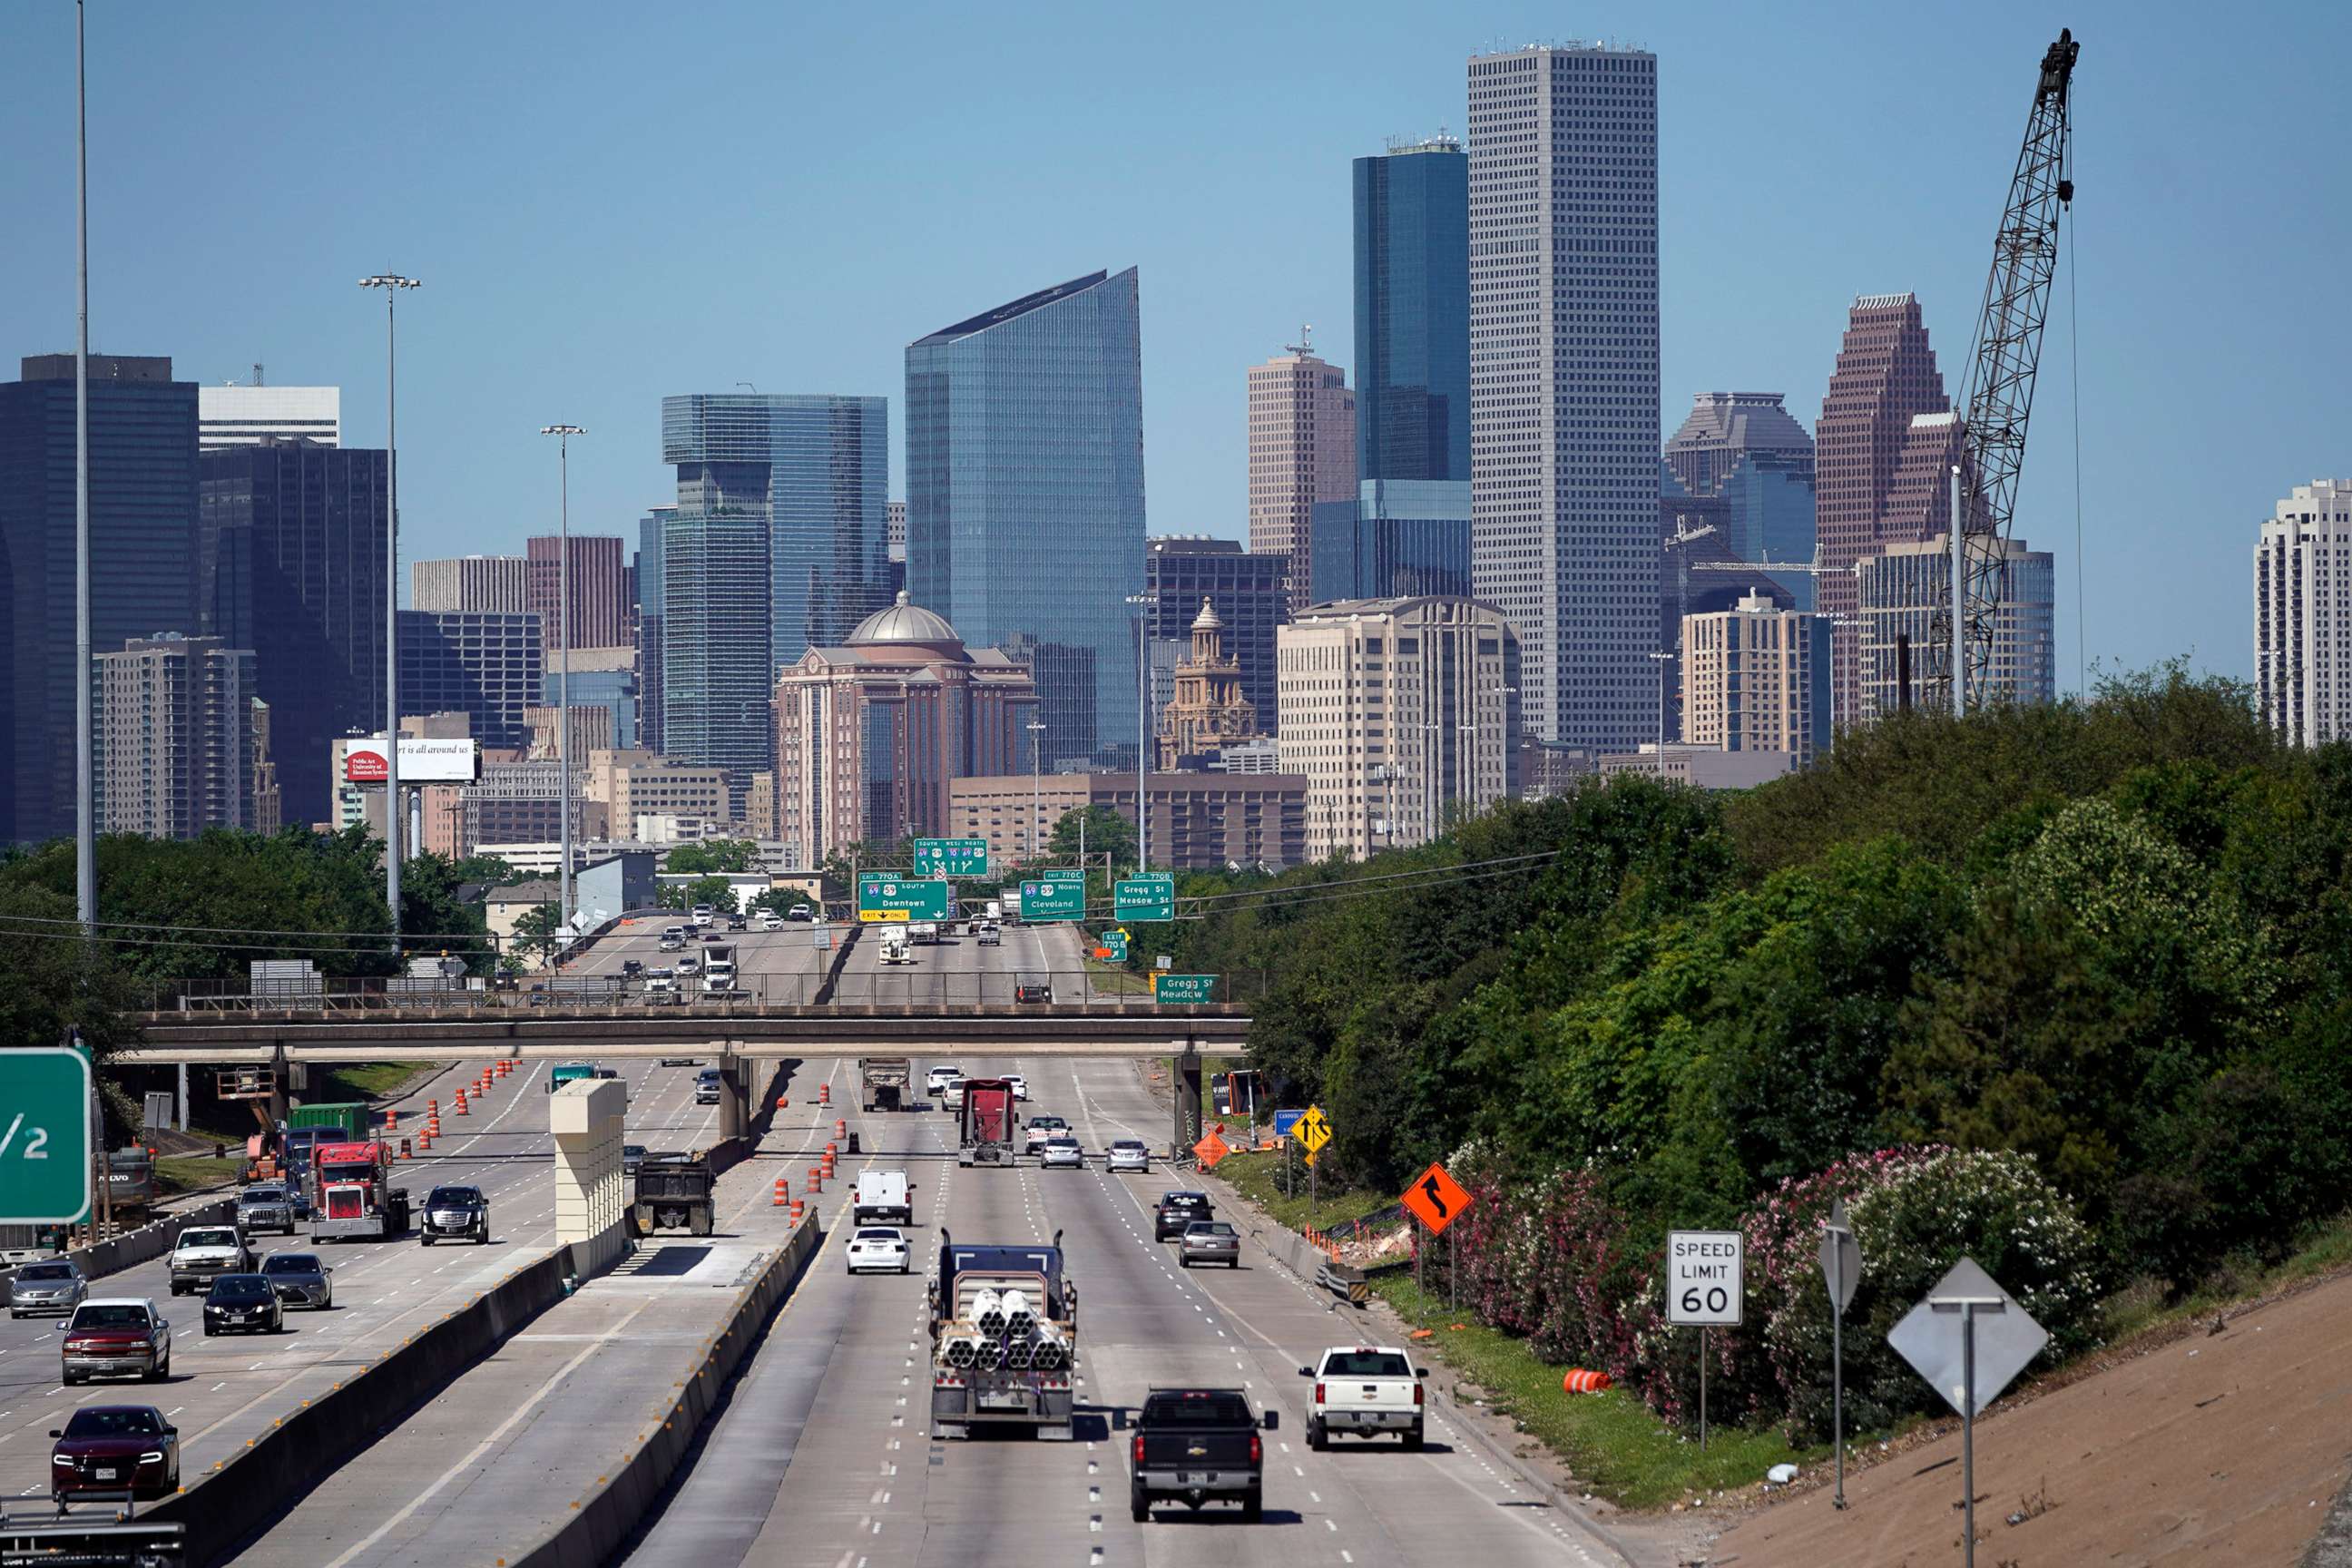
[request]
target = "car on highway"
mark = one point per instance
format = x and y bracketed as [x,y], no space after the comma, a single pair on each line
[923,931]
[455,1213]
[661,990]
[265,1206]
[988,934]
[739,922]
[1198,1446]
[1019,1085]
[1041,1128]
[632,1156]
[203,1252]
[707,1086]
[52,1285]
[702,913]
[938,1080]
[115,1448]
[115,1334]
[243,1304]
[1063,1154]
[1209,1241]
[1032,988]
[1127,1154]
[879,1248]
[673,939]
[772,921]
[1366,1390]
[1177,1212]
[688,964]
[301,1279]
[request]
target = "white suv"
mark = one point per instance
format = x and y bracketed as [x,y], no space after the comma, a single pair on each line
[940,1077]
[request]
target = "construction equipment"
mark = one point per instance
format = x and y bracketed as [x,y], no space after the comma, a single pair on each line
[2004,358]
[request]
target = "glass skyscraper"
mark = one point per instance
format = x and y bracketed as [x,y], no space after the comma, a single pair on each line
[1024,494]
[776,544]
[1412,313]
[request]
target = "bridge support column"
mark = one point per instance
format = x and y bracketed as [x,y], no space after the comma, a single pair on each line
[280,1072]
[1184,1077]
[732,1113]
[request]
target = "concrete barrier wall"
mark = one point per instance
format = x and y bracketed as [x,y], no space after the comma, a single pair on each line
[605,1518]
[150,1241]
[224,1505]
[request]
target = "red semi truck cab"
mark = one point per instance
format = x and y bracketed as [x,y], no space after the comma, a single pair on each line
[351,1191]
[988,1123]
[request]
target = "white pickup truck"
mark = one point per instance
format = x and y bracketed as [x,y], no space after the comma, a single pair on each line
[1364,1389]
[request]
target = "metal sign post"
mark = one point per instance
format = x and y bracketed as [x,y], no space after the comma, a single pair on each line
[1702,1391]
[1944,1330]
[1707,1274]
[1842,1264]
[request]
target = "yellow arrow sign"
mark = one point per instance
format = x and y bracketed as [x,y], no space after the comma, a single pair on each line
[1312,1130]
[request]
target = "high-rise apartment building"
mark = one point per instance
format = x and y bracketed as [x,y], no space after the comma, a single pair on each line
[1757,679]
[2302,615]
[175,733]
[1900,591]
[1182,569]
[485,667]
[472,584]
[1885,376]
[602,601]
[1403,714]
[291,565]
[247,415]
[1302,454]
[647,576]
[1024,494]
[143,525]
[1564,376]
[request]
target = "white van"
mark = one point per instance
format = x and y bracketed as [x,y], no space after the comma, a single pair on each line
[884,1197]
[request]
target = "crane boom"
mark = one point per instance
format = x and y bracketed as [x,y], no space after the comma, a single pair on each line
[2002,362]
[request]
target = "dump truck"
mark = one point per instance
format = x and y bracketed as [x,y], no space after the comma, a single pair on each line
[351,1191]
[673,1192]
[882,1082]
[348,1119]
[985,1123]
[1004,1339]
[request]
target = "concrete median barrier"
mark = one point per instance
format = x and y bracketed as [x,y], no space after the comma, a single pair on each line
[224,1505]
[150,1241]
[600,1522]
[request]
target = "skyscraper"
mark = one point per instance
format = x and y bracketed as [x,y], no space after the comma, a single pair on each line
[1181,570]
[1302,454]
[1902,589]
[175,729]
[1412,313]
[1024,494]
[1886,374]
[245,415]
[143,524]
[2302,615]
[1725,429]
[485,667]
[647,576]
[601,606]
[1757,680]
[482,584]
[290,564]
[1564,378]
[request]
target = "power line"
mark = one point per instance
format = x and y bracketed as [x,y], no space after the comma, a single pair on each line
[240,931]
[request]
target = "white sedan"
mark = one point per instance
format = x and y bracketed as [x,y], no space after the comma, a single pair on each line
[1128,1154]
[1063,1154]
[1019,1085]
[880,1246]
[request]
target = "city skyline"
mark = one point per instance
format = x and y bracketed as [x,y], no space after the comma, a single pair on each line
[1848,217]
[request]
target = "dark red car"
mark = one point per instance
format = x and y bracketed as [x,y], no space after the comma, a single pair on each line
[116,1448]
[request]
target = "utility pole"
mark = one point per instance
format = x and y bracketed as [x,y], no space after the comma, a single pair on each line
[391,283]
[84,768]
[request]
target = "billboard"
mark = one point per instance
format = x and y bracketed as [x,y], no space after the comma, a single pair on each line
[421,762]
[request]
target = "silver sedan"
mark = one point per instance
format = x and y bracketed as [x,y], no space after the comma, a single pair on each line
[1210,1241]
[55,1285]
[1128,1154]
[1063,1154]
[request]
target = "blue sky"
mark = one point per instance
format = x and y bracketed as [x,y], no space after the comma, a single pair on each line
[612,202]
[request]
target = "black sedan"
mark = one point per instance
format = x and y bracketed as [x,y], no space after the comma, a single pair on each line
[301,1279]
[243,1304]
[455,1213]
[115,1448]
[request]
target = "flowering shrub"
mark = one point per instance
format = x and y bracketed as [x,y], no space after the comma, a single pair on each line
[1545,1257]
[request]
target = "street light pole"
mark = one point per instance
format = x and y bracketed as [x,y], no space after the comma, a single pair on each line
[1036,789]
[1142,733]
[84,768]
[563,434]
[391,283]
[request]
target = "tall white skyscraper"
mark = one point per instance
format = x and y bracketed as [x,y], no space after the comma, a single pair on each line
[245,415]
[2302,615]
[1564,378]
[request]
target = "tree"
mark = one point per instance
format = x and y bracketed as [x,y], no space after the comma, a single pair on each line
[712,855]
[535,929]
[1106,832]
[716,891]
[782,900]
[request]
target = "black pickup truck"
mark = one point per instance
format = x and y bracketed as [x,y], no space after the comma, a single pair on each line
[1197,1445]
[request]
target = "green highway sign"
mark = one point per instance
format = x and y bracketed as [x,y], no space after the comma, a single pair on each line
[1053,900]
[901,898]
[1111,947]
[44,1160]
[951,857]
[1146,897]
[1187,988]
[1063,874]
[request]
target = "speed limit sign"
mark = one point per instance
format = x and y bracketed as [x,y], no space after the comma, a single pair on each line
[1704,1271]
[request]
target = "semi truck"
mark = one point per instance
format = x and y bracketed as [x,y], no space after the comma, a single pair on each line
[882,1082]
[1004,1339]
[986,1124]
[897,946]
[351,1191]
[718,969]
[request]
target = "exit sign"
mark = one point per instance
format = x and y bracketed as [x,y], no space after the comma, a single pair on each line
[45,1162]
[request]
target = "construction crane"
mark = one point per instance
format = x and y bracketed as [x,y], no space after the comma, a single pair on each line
[2007,351]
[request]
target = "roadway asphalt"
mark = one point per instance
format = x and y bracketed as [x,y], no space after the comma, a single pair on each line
[961,971]
[224,1390]
[782,966]
[822,1456]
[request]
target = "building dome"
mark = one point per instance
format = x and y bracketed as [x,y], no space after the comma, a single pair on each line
[1207,621]
[904,623]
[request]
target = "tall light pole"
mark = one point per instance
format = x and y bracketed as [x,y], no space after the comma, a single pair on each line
[85,771]
[1142,733]
[391,283]
[563,434]
[1037,788]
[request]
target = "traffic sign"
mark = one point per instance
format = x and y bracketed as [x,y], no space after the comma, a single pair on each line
[1436,1198]
[1968,1302]
[1111,947]
[891,898]
[1063,874]
[46,1094]
[1284,1121]
[1704,1274]
[1146,897]
[1841,1258]
[1191,989]
[951,857]
[1053,900]
[1209,1150]
[1312,1130]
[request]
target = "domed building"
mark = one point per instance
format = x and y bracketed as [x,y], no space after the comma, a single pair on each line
[868,733]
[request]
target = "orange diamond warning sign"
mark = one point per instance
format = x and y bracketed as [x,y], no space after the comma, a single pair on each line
[1211,1150]
[1435,1198]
